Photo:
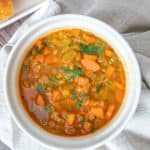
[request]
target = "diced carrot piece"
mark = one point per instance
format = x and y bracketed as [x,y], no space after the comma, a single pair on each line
[56,95]
[90,65]
[119,85]
[110,110]
[65,92]
[39,100]
[108,53]
[39,44]
[78,56]
[26,83]
[97,112]
[91,117]
[76,32]
[46,51]
[119,95]
[82,81]
[90,57]
[70,119]
[109,71]
[87,126]
[50,59]
[122,77]
[88,39]
[39,58]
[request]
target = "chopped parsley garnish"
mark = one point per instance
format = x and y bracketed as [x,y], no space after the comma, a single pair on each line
[88,49]
[81,96]
[69,78]
[84,96]
[108,82]
[100,50]
[46,43]
[53,82]
[37,50]
[79,104]
[98,87]
[48,108]
[92,49]
[74,95]
[72,72]
[40,88]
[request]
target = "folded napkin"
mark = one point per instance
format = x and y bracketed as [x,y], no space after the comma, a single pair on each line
[10,134]
[132,19]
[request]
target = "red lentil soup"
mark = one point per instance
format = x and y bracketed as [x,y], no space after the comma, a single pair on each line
[71,82]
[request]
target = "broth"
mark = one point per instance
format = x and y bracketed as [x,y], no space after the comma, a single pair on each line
[71,82]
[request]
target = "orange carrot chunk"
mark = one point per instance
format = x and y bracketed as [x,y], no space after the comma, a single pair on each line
[108,53]
[90,65]
[82,81]
[46,51]
[88,39]
[90,57]
[109,71]
[119,95]
[39,100]
[110,111]
[39,58]
[76,32]
[39,44]
[50,59]
[97,112]
[70,119]
[119,85]
[56,95]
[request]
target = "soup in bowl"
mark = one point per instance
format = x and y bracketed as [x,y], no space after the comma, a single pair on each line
[74,84]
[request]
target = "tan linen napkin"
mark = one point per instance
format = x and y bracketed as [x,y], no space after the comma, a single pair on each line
[10,134]
[132,19]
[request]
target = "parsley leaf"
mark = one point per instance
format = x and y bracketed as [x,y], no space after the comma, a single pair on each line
[79,104]
[98,87]
[69,79]
[40,88]
[48,108]
[46,43]
[82,96]
[100,50]
[85,95]
[37,50]
[74,95]
[53,82]
[88,49]
[108,82]
[92,49]
[72,72]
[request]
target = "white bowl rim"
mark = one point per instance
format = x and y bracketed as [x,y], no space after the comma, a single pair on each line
[67,16]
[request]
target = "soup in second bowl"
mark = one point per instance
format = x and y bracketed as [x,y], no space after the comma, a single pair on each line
[71,82]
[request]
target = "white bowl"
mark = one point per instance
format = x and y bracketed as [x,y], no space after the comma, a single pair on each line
[99,28]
